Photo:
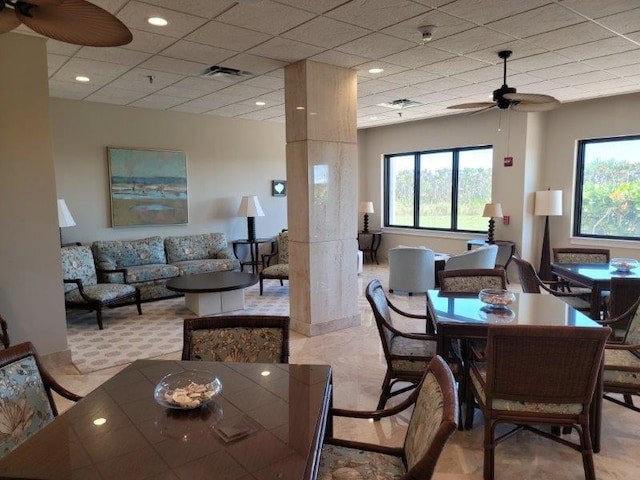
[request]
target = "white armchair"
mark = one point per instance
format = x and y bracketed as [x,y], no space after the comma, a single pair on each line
[411,269]
[483,257]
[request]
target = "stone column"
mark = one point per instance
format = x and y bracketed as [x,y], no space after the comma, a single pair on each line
[322,164]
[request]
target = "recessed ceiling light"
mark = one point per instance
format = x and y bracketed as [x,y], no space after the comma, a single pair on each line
[373,118]
[261,103]
[81,78]
[376,70]
[299,108]
[99,421]
[157,21]
[265,373]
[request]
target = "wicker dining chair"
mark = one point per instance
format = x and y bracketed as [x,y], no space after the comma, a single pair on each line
[237,338]
[472,280]
[26,401]
[624,292]
[433,421]
[536,376]
[407,354]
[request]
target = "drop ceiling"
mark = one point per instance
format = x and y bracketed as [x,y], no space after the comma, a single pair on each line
[570,49]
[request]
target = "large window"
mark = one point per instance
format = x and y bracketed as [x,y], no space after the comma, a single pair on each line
[438,190]
[608,188]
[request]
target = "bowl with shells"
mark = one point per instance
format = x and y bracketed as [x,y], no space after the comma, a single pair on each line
[187,390]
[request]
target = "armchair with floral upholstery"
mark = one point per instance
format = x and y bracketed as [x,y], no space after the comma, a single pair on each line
[280,270]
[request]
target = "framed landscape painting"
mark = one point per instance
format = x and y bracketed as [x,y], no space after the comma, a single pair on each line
[147,187]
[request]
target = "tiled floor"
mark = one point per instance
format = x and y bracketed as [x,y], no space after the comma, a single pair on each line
[358,363]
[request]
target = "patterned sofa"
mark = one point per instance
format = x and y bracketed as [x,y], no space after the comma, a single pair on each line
[150,262]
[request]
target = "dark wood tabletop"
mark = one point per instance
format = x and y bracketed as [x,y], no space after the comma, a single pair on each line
[119,431]
[211,282]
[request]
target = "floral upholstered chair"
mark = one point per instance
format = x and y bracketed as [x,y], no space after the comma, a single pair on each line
[237,338]
[432,422]
[26,403]
[535,376]
[280,270]
[81,287]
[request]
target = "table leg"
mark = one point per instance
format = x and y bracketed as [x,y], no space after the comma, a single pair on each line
[595,301]
[595,414]
[235,252]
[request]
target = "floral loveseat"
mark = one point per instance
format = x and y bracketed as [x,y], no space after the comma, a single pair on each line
[150,262]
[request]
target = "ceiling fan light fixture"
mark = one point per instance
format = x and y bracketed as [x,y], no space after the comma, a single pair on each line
[157,21]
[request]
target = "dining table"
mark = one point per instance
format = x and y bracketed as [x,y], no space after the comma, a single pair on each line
[268,421]
[464,317]
[596,276]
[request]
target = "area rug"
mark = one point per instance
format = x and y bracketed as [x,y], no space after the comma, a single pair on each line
[128,336]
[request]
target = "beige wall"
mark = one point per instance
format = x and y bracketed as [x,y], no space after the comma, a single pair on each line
[226,159]
[543,148]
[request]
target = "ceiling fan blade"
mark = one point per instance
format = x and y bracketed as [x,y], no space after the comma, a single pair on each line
[529,97]
[463,106]
[482,110]
[8,20]
[78,22]
[534,107]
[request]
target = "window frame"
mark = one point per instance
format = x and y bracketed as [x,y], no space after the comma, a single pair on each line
[578,187]
[455,172]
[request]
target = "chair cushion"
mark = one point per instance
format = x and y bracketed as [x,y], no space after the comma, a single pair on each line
[343,463]
[194,247]
[104,292]
[239,344]
[24,405]
[621,358]
[409,346]
[280,270]
[146,273]
[110,254]
[516,406]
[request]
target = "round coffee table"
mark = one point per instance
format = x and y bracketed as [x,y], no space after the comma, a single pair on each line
[213,292]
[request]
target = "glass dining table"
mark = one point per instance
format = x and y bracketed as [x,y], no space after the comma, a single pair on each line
[268,422]
[464,316]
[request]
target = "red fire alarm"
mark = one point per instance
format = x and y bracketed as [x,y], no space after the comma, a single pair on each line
[505,220]
[508,161]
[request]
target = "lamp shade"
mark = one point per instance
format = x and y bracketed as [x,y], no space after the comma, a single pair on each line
[548,202]
[492,210]
[250,207]
[64,215]
[366,207]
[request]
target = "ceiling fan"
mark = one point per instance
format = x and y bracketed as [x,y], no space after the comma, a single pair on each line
[71,21]
[507,98]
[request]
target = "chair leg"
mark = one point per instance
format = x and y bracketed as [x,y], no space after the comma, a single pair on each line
[489,449]
[470,405]
[587,453]
[260,285]
[99,317]
[281,283]
[138,302]
[386,390]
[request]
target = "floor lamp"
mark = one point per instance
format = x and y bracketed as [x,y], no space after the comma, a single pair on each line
[548,203]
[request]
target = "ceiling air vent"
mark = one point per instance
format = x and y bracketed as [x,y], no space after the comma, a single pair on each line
[398,104]
[225,73]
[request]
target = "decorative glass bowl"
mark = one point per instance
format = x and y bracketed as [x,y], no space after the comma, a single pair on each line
[187,390]
[623,264]
[496,297]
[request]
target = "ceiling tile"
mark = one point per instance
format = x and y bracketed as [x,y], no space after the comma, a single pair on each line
[265,113]
[405,92]
[194,106]
[317,6]
[441,84]
[454,66]
[376,14]
[135,14]
[255,64]
[520,49]
[374,86]
[81,66]
[389,69]
[341,59]
[173,65]
[375,46]
[115,95]
[493,72]
[112,6]
[201,8]
[562,70]
[54,62]
[138,80]
[243,91]
[625,22]
[573,35]
[232,110]
[612,61]
[70,90]
[285,50]
[325,32]
[471,40]
[148,42]
[626,71]
[418,57]
[446,25]
[539,20]
[608,84]
[489,10]
[197,52]
[116,55]
[535,62]
[266,82]
[61,48]
[191,87]
[596,76]
[601,48]
[411,77]
[598,8]
[229,37]
[156,100]
[265,16]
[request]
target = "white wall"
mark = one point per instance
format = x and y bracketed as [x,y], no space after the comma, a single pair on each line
[226,159]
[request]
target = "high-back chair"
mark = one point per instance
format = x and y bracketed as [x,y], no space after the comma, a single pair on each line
[623,294]
[411,270]
[472,280]
[581,255]
[483,257]
[433,421]
[81,287]
[407,354]
[26,401]
[538,375]
[280,270]
[237,338]
[531,283]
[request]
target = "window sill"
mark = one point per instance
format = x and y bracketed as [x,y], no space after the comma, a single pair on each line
[410,232]
[605,242]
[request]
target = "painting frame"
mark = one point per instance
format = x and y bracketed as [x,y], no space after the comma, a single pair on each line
[147,187]
[279,188]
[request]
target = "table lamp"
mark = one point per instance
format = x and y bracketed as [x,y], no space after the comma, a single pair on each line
[492,210]
[64,217]
[366,208]
[250,208]
[548,202]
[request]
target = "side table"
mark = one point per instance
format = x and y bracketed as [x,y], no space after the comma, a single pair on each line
[372,247]
[506,246]
[254,251]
